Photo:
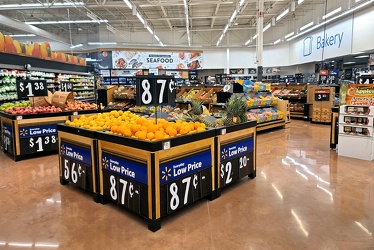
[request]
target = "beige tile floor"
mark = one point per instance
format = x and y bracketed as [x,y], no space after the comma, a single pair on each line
[304,197]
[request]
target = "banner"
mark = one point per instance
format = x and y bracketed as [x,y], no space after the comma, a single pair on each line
[159,60]
[357,94]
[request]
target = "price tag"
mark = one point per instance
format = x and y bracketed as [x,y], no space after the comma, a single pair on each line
[76,165]
[66,87]
[31,88]
[185,181]
[236,161]
[322,95]
[125,182]
[154,90]
[8,139]
[36,139]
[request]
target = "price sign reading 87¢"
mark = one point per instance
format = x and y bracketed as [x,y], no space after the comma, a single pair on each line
[155,90]
[31,88]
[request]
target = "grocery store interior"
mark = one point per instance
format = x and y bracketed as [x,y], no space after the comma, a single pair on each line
[163,124]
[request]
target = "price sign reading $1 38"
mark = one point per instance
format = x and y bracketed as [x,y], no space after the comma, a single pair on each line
[31,88]
[155,90]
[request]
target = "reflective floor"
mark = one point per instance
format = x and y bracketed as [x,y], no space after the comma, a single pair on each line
[304,197]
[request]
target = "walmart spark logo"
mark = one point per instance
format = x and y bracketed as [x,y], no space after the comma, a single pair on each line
[23,132]
[62,149]
[166,174]
[105,162]
[224,154]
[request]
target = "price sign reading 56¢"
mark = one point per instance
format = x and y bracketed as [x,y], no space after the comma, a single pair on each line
[154,90]
[31,88]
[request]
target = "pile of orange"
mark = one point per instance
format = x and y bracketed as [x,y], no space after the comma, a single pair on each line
[131,125]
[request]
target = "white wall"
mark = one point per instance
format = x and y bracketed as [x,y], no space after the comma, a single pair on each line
[363,38]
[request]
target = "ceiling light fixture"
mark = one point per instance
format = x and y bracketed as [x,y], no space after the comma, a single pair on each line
[156,37]
[349,63]
[267,27]
[277,41]
[22,35]
[101,43]
[76,46]
[331,19]
[162,44]
[233,16]
[66,22]
[40,5]
[111,29]
[187,22]
[289,35]
[254,37]
[281,15]
[241,3]
[306,26]
[363,56]
[300,2]
[140,17]
[128,4]
[332,13]
[356,53]
[150,30]
[247,42]
[93,16]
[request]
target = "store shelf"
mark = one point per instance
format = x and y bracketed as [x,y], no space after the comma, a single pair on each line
[355,125]
[355,115]
[270,125]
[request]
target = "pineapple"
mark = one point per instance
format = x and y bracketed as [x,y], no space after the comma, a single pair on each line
[236,109]
[196,107]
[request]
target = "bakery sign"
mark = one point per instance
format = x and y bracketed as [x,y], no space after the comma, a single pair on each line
[157,60]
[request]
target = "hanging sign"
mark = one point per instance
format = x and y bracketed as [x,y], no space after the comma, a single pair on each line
[31,88]
[155,90]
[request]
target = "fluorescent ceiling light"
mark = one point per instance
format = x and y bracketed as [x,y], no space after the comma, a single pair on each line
[288,35]
[140,17]
[162,44]
[358,1]
[247,42]
[99,43]
[281,15]
[156,37]
[267,27]
[349,63]
[150,30]
[363,56]
[185,4]
[111,29]
[128,3]
[39,5]
[66,22]
[306,26]
[332,13]
[277,41]
[241,3]
[218,42]
[300,1]
[233,16]
[22,35]
[76,46]
[332,19]
[226,28]
[355,53]
[93,16]
[254,37]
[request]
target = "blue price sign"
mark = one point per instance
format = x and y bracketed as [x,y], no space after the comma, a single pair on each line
[185,181]
[125,182]
[76,163]
[8,138]
[36,139]
[236,161]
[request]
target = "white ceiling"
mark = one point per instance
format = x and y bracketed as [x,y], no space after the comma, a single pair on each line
[207,20]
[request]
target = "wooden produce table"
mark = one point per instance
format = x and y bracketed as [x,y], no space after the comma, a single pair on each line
[26,135]
[78,158]
[235,153]
[154,179]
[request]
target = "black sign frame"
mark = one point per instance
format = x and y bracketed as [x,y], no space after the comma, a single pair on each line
[148,89]
[31,88]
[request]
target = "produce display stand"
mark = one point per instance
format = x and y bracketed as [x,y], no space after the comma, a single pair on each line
[334,130]
[235,153]
[78,158]
[154,179]
[26,135]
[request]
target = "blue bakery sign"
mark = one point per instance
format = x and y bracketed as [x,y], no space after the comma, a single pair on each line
[42,130]
[182,167]
[125,168]
[236,149]
[75,153]
[323,41]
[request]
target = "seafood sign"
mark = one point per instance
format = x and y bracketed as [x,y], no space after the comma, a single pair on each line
[159,60]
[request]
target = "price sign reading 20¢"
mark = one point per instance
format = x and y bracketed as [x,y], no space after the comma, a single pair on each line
[155,90]
[31,88]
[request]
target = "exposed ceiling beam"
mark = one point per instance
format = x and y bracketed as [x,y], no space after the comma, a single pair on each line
[215,14]
[32,29]
[165,15]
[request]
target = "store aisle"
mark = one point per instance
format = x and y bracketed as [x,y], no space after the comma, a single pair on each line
[304,197]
